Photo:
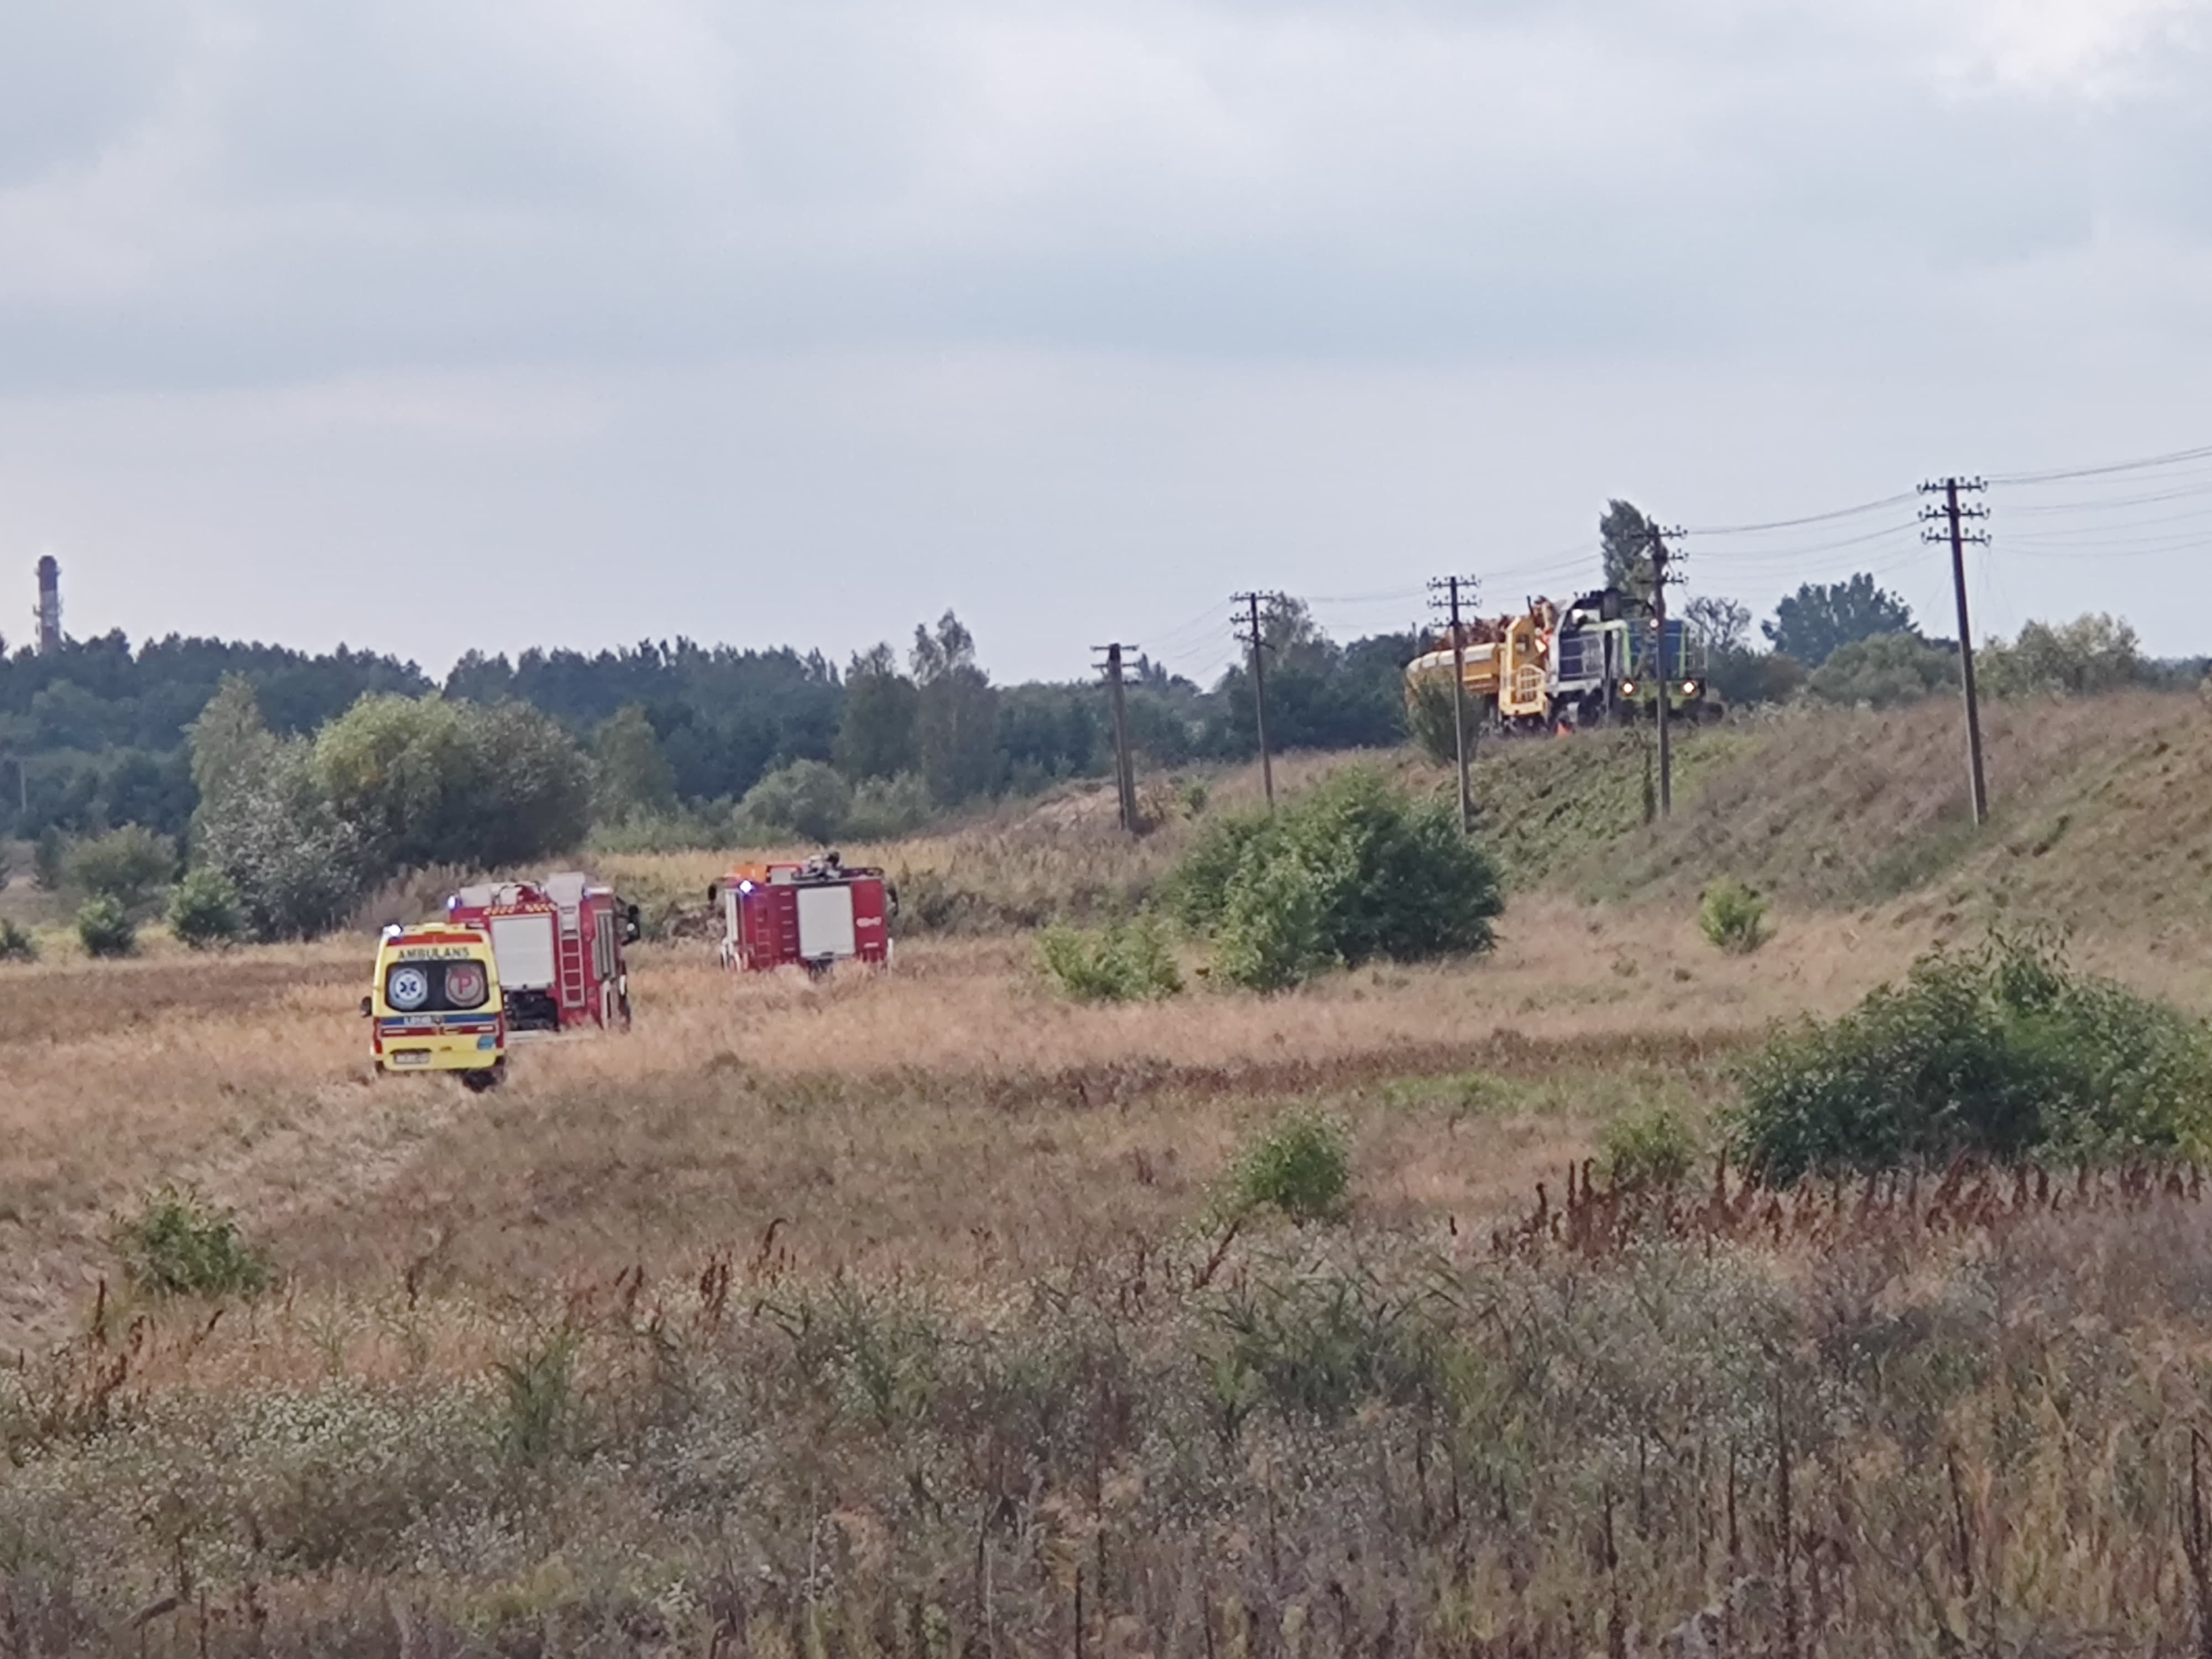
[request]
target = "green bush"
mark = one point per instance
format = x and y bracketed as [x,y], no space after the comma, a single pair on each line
[2001,1052]
[1198,888]
[1301,1166]
[1651,1148]
[1271,936]
[204,910]
[1733,917]
[1129,961]
[805,799]
[1886,670]
[2089,654]
[884,809]
[1355,870]
[105,927]
[180,1244]
[16,943]
[130,866]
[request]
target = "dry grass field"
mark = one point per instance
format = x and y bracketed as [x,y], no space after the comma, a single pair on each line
[897,1314]
[953,1115]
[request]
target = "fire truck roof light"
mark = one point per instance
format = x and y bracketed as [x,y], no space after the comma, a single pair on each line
[745,886]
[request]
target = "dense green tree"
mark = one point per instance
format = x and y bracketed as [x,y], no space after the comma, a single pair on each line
[205,910]
[1047,732]
[875,733]
[402,770]
[533,790]
[1819,619]
[632,777]
[2089,654]
[132,866]
[266,827]
[805,799]
[955,714]
[1885,670]
[430,781]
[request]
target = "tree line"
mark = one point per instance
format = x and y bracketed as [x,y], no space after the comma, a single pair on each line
[94,736]
[305,779]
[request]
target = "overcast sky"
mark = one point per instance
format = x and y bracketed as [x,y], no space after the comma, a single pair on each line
[429,324]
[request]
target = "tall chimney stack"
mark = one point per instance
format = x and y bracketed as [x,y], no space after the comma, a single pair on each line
[50,605]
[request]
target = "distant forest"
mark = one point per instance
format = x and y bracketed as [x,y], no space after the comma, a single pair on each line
[670,741]
[95,735]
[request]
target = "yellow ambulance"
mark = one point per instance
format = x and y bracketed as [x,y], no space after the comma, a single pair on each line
[435,1006]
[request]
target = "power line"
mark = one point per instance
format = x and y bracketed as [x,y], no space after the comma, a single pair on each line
[1780,555]
[2175,457]
[2102,503]
[2078,531]
[1170,637]
[1793,524]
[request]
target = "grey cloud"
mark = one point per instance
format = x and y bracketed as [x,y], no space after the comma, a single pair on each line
[917,291]
[417,182]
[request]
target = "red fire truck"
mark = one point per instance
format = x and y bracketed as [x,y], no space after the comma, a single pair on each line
[559,945]
[812,915]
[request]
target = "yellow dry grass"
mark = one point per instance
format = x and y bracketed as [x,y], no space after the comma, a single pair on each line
[949,1114]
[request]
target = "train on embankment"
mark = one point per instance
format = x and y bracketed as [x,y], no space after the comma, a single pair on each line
[1604,659]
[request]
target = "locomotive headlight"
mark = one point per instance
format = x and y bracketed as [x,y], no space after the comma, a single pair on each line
[1628,688]
[1689,688]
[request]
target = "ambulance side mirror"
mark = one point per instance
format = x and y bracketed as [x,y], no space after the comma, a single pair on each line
[364,1007]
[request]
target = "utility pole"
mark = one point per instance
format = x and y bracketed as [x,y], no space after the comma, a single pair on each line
[1660,559]
[1462,733]
[1248,631]
[1946,522]
[1125,772]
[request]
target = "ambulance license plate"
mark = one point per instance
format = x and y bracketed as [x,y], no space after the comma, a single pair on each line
[412,1057]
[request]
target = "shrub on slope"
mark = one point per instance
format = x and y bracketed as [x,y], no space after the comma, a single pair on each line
[2002,1052]
[1354,870]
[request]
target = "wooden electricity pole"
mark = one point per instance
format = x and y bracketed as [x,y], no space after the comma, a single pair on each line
[1946,523]
[1664,686]
[1250,632]
[1463,732]
[1125,771]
